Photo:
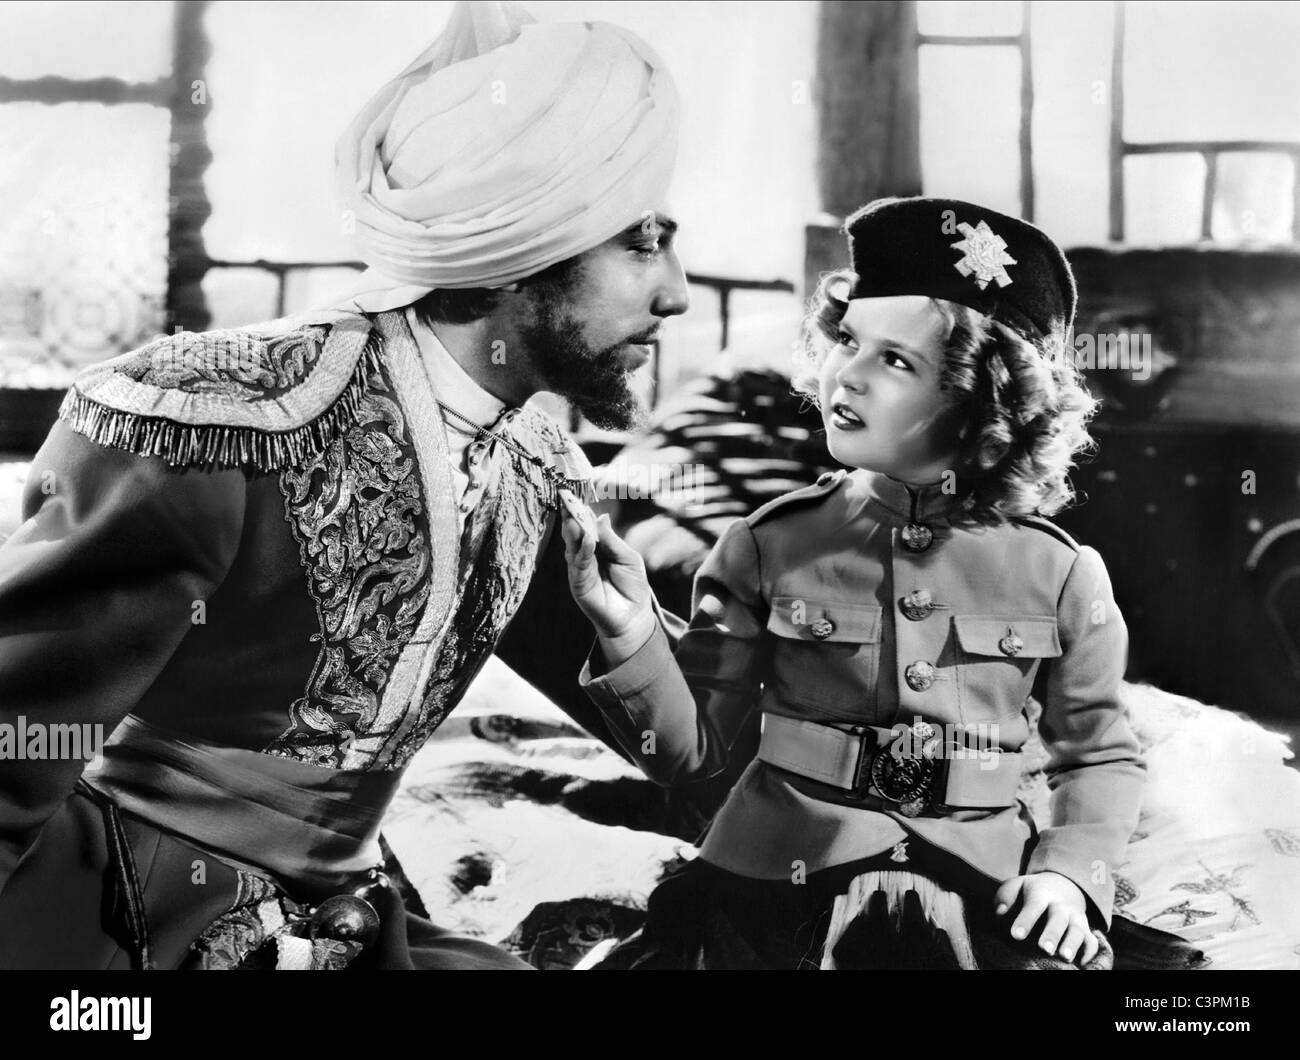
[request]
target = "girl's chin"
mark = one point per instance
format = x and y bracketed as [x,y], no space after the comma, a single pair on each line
[845,450]
[859,456]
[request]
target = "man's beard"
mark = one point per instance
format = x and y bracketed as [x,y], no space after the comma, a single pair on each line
[592,380]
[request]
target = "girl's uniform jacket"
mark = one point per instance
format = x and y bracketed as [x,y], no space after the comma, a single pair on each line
[831,557]
[244,547]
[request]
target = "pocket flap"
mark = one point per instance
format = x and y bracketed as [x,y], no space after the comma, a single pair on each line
[799,618]
[982,635]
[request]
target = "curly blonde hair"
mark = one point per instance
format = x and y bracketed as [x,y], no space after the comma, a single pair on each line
[1026,410]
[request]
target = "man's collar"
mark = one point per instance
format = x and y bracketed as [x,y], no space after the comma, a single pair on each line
[921,503]
[452,384]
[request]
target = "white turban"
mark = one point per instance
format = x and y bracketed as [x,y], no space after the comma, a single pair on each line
[507,146]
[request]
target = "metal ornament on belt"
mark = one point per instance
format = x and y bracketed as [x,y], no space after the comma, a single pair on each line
[1011,644]
[917,537]
[350,917]
[905,778]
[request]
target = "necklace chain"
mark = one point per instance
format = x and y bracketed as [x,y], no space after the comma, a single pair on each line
[482,432]
[552,479]
[555,479]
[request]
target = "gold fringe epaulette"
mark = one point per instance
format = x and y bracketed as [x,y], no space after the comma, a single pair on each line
[281,404]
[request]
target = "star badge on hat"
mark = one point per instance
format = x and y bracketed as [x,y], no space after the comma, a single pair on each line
[984,253]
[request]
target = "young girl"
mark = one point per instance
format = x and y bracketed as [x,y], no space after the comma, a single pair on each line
[890,623]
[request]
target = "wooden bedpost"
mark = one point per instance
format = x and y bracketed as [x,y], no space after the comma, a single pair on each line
[868,117]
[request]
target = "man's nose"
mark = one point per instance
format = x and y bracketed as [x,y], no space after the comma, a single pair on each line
[673,296]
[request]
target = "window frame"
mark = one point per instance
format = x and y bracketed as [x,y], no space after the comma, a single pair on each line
[1023,42]
[1209,150]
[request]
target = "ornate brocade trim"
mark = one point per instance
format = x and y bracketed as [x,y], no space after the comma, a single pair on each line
[411,672]
[358,514]
[227,399]
[260,914]
[229,940]
[516,512]
[404,623]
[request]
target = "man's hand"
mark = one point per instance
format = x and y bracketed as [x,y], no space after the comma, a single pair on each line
[607,580]
[1056,899]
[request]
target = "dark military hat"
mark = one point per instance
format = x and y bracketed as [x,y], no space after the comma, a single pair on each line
[998,265]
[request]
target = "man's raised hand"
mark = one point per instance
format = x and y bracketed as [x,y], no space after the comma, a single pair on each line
[607,580]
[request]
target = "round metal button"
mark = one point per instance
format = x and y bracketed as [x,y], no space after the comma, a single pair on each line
[1011,644]
[923,731]
[917,604]
[822,628]
[917,538]
[919,675]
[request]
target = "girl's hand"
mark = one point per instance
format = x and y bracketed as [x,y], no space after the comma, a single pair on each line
[607,580]
[1057,900]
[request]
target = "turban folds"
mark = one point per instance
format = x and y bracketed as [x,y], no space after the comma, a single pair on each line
[507,146]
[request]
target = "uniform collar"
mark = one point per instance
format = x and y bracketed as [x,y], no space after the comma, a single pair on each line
[453,385]
[912,502]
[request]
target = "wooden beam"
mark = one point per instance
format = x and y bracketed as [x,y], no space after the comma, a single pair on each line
[868,103]
[1117,146]
[1197,147]
[948,40]
[189,206]
[108,90]
[1210,190]
[1026,117]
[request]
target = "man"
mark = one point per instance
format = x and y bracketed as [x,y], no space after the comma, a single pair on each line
[270,561]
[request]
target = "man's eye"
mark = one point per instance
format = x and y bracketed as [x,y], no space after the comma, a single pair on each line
[646,250]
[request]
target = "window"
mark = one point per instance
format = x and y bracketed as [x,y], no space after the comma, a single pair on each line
[84,176]
[1139,122]
[1205,143]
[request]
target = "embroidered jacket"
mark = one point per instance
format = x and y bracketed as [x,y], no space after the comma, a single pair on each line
[250,538]
[833,555]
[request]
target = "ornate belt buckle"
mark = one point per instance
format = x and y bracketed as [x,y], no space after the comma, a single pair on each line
[905,775]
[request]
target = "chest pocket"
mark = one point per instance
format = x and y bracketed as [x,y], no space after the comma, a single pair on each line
[1000,657]
[826,654]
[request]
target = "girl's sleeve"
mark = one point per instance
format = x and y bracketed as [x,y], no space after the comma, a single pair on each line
[678,713]
[549,638]
[1095,772]
[97,589]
